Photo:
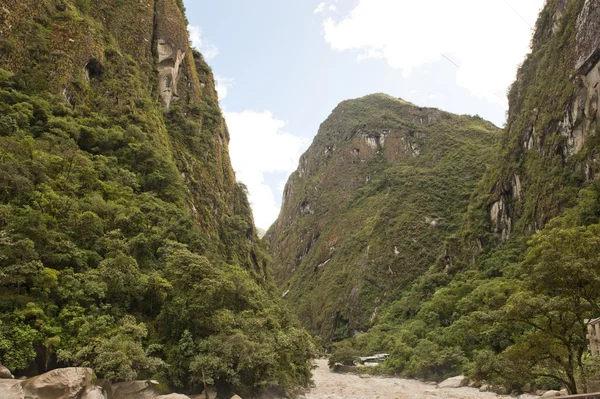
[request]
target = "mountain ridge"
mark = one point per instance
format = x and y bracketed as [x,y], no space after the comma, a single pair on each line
[351,163]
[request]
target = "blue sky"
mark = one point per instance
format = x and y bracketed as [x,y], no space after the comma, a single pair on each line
[283,65]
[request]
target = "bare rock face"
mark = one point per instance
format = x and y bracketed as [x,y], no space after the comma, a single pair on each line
[169,60]
[171,47]
[588,40]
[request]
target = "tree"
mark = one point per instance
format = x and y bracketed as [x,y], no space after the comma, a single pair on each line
[559,292]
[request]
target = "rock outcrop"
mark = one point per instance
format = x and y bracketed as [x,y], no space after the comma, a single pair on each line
[552,121]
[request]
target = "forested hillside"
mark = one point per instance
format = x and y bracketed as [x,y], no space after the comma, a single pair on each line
[382,186]
[506,298]
[126,244]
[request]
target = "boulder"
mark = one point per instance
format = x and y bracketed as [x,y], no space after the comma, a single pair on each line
[551,394]
[67,383]
[235,397]
[11,389]
[5,373]
[173,396]
[95,393]
[146,389]
[454,382]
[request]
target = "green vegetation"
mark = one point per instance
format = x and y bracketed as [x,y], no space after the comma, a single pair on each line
[125,243]
[368,219]
[516,317]
[512,312]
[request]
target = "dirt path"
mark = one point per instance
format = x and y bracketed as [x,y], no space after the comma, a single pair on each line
[348,386]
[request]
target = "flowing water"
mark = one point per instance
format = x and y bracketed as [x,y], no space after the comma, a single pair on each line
[330,385]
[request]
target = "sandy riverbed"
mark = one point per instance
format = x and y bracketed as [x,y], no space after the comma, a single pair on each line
[348,386]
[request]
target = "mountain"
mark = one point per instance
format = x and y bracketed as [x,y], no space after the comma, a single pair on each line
[126,243]
[505,291]
[380,189]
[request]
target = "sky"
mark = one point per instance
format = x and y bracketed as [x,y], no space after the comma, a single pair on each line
[283,65]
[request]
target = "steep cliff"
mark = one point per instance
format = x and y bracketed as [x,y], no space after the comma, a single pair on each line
[550,150]
[379,190]
[126,243]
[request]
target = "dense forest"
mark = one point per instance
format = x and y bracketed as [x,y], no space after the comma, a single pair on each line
[126,244]
[506,295]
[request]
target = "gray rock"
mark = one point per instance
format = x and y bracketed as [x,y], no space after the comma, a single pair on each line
[173,396]
[5,373]
[67,383]
[95,393]
[135,390]
[11,389]
[235,397]
[551,394]
[454,382]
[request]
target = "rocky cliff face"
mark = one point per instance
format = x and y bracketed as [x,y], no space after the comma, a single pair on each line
[549,150]
[124,235]
[383,184]
[72,47]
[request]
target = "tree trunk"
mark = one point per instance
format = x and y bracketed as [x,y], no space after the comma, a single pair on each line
[204,382]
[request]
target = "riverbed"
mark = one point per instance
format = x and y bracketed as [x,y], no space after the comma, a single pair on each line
[329,385]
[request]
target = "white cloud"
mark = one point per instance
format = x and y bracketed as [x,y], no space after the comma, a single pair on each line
[332,8]
[320,8]
[223,85]
[259,145]
[208,50]
[486,38]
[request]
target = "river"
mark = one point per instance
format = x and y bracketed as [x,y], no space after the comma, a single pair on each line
[330,385]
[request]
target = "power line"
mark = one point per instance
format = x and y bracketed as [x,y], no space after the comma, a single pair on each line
[455,64]
[458,66]
[516,12]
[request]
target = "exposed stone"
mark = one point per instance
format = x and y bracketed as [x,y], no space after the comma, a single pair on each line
[516,187]
[11,389]
[135,390]
[95,393]
[5,373]
[454,382]
[500,219]
[588,40]
[235,397]
[169,60]
[173,396]
[171,47]
[551,394]
[66,383]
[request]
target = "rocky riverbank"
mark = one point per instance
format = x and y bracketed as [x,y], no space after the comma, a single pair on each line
[79,383]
